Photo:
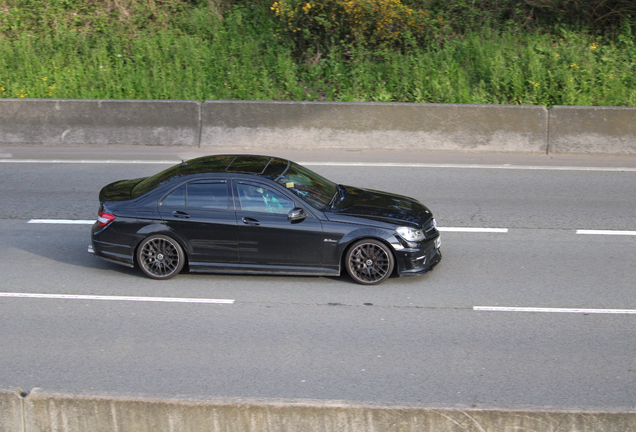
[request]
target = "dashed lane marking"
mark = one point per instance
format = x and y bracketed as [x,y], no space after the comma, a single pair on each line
[472,230]
[607,232]
[554,310]
[116,298]
[61,221]
[447,229]
[441,229]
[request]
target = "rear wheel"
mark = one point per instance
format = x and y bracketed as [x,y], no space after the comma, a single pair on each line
[160,257]
[369,262]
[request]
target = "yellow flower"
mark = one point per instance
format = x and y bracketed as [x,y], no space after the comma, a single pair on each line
[556,55]
[593,47]
[574,66]
[1,88]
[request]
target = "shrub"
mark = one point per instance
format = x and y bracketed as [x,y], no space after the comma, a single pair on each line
[318,25]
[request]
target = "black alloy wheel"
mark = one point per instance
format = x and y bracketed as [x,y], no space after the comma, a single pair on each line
[369,262]
[160,257]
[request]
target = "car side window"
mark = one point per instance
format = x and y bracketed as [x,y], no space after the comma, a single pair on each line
[177,198]
[261,199]
[208,195]
[199,194]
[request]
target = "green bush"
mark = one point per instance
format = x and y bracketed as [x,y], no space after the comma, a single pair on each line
[319,25]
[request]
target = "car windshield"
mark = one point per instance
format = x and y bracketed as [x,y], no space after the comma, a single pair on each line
[312,188]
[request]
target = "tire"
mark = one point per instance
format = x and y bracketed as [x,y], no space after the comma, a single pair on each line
[369,262]
[160,257]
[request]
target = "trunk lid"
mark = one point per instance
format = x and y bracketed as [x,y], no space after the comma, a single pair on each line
[119,191]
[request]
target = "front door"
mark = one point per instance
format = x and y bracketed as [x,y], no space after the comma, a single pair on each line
[266,235]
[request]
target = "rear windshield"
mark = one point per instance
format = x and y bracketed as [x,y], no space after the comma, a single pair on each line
[155,181]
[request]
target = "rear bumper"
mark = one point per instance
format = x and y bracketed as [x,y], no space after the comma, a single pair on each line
[103,246]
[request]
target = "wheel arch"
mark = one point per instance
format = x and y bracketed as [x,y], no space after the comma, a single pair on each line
[159,229]
[382,235]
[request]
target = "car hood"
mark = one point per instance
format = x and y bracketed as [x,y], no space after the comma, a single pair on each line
[381,206]
[119,191]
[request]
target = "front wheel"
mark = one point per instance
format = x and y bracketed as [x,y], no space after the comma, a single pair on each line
[160,257]
[369,262]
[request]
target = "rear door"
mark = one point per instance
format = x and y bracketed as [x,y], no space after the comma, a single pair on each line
[202,213]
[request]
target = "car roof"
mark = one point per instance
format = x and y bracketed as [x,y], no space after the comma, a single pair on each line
[264,166]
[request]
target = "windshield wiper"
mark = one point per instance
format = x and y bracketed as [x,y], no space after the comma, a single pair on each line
[340,193]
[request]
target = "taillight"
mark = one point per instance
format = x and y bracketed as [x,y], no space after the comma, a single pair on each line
[104,218]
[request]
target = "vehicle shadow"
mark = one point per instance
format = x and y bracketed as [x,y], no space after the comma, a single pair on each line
[68,245]
[50,245]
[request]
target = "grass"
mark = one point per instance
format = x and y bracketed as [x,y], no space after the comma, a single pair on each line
[199,56]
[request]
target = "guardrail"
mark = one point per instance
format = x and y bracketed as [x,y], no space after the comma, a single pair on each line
[42,411]
[259,125]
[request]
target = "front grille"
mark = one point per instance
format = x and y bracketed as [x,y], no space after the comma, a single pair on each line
[430,230]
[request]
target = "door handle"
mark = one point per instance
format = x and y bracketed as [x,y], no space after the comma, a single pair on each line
[180,214]
[250,221]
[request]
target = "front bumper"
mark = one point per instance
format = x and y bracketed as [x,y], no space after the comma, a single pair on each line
[419,258]
[418,271]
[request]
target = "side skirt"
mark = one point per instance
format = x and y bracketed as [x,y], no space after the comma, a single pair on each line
[200,267]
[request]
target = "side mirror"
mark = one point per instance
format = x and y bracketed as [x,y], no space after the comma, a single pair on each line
[296,215]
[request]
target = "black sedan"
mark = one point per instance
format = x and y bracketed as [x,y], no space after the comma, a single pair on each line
[261,214]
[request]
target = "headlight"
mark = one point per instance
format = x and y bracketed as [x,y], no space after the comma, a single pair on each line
[410,234]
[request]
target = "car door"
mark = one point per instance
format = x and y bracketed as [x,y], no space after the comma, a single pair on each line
[202,213]
[267,236]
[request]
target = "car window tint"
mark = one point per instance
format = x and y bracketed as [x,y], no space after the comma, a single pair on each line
[260,199]
[208,195]
[176,198]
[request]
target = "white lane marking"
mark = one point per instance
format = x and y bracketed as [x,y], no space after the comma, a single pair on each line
[68,161]
[61,221]
[471,166]
[554,310]
[607,232]
[473,230]
[440,229]
[447,229]
[347,164]
[116,298]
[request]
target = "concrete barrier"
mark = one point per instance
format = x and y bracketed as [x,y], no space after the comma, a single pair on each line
[44,411]
[264,125]
[592,130]
[67,122]
[10,411]
[400,126]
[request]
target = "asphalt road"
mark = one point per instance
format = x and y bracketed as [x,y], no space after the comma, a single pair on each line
[422,340]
